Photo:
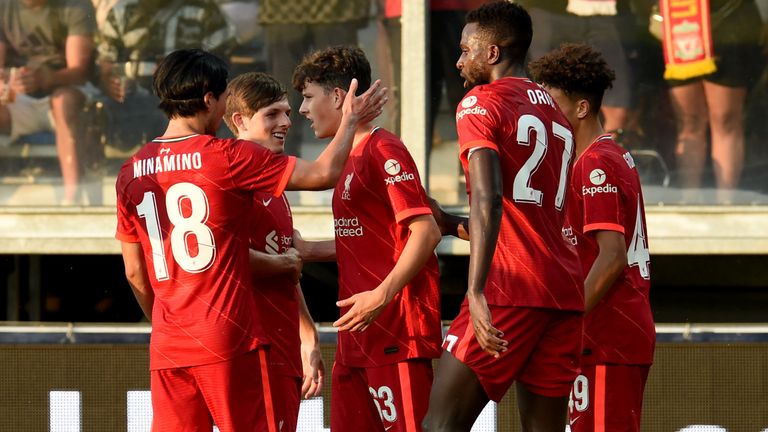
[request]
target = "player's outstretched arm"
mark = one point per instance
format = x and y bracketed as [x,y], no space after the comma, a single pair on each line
[366,306]
[311,358]
[138,278]
[485,210]
[610,262]
[324,172]
[264,265]
[314,251]
[449,224]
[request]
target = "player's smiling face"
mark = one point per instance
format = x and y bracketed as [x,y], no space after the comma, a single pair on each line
[471,64]
[268,126]
[322,108]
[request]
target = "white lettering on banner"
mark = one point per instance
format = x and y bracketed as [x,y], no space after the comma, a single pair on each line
[65,409]
[594,190]
[405,176]
[348,227]
[174,162]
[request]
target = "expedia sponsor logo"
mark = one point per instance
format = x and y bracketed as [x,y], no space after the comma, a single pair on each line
[404,176]
[469,101]
[348,227]
[392,167]
[477,110]
[593,190]
[597,176]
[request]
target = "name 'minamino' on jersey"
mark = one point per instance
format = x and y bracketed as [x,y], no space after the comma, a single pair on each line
[166,163]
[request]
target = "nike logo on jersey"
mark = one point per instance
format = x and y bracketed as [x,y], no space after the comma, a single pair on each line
[573,420]
[266,202]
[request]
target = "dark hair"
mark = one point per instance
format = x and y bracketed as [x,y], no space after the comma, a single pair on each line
[506,25]
[251,92]
[334,67]
[182,79]
[576,69]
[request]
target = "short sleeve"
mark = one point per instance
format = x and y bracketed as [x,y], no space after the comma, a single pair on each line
[253,167]
[126,227]
[476,123]
[80,18]
[601,195]
[394,167]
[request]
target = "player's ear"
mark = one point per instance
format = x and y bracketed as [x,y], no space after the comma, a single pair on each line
[237,120]
[493,54]
[338,97]
[582,108]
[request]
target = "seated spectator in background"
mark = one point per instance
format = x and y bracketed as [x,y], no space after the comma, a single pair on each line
[134,35]
[46,48]
[293,28]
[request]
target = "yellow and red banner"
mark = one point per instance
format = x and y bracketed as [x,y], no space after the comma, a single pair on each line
[687,39]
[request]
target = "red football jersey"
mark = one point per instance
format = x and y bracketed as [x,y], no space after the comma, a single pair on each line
[276,297]
[532,265]
[378,192]
[183,199]
[606,195]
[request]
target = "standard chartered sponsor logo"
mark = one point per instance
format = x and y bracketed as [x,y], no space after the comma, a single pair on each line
[594,190]
[348,227]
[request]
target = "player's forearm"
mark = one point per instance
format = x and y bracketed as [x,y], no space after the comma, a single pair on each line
[601,277]
[484,217]
[328,166]
[265,265]
[317,251]
[144,296]
[420,246]
[307,329]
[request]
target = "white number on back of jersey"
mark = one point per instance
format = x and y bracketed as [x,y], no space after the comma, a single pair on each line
[183,229]
[638,255]
[522,191]
[579,398]
[385,402]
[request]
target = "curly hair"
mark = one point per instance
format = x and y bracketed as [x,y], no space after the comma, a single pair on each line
[506,25]
[578,70]
[251,92]
[334,67]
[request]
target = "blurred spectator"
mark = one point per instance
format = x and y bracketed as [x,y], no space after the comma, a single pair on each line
[46,50]
[718,99]
[446,20]
[608,26]
[133,36]
[293,28]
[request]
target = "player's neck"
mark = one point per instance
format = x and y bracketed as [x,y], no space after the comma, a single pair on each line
[506,69]
[183,126]
[587,132]
[362,132]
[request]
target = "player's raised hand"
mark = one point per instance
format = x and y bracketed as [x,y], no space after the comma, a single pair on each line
[364,308]
[313,369]
[489,338]
[367,106]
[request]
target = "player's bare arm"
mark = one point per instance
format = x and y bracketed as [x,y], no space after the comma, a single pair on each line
[485,209]
[314,251]
[265,265]
[312,363]
[449,224]
[324,172]
[367,305]
[138,279]
[610,262]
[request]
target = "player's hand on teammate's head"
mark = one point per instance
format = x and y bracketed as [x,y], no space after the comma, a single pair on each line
[313,368]
[489,337]
[367,106]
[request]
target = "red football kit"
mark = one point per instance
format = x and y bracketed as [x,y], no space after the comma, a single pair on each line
[606,195]
[277,301]
[378,192]
[183,200]
[532,266]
